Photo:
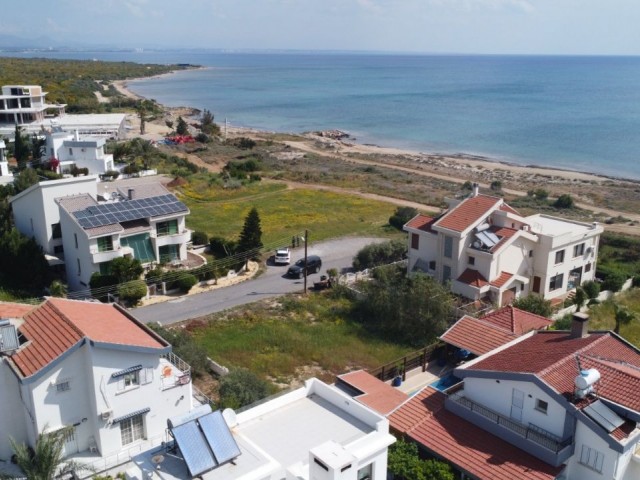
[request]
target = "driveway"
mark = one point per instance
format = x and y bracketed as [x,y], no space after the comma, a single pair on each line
[336,253]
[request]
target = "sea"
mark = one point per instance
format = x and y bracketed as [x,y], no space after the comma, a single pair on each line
[578,113]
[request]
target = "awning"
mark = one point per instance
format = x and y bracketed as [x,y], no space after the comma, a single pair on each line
[131,415]
[126,370]
[52,260]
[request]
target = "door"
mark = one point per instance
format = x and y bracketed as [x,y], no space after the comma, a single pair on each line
[69,442]
[536,284]
[517,404]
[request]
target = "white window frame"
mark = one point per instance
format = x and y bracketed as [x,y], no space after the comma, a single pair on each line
[132,430]
[559,253]
[542,406]
[578,250]
[366,472]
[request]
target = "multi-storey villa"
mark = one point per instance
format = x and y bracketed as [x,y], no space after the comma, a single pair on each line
[487,251]
[72,151]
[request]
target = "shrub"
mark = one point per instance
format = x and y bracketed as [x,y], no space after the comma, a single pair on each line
[378,254]
[155,275]
[564,201]
[132,291]
[535,304]
[636,281]
[220,247]
[591,288]
[563,323]
[199,238]
[401,216]
[240,388]
[496,185]
[98,284]
[203,138]
[204,272]
[131,169]
[614,281]
[186,281]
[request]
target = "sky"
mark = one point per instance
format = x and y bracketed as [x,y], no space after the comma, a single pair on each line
[599,27]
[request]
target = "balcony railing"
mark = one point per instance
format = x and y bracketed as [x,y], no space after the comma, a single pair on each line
[532,432]
[175,371]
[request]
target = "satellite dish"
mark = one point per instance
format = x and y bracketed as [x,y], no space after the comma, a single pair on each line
[230,417]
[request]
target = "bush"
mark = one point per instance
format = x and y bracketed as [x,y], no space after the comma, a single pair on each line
[535,304]
[203,138]
[563,323]
[564,201]
[204,272]
[98,284]
[496,186]
[591,288]
[186,281]
[636,281]
[240,388]
[131,169]
[199,238]
[220,247]
[613,281]
[131,292]
[406,464]
[401,216]
[378,254]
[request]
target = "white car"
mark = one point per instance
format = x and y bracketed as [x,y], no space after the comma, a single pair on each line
[283,256]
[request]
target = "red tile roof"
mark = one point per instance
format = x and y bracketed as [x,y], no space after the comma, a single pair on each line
[472,449]
[14,310]
[477,336]
[506,208]
[557,358]
[473,278]
[480,336]
[376,394]
[504,234]
[501,279]
[58,324]
[468,212]
[421,222]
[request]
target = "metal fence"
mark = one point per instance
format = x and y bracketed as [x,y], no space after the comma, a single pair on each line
[417,359]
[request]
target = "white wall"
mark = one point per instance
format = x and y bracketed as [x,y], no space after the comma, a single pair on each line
[577,471]
[497,397]
[427,248]
[12,414]
[71,230]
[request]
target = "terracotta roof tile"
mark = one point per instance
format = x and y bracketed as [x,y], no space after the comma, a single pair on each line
[473,278]
[503,278]
[557,358]
[517,321]
[506,208]
[504,234]
[421,222]
[376,394]
[468,212]
[474,450]
[58,324]
[477,336]
[14,310]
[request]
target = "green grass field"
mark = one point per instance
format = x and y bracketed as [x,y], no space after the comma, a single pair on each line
[283,212]
[601,317]
[277,340]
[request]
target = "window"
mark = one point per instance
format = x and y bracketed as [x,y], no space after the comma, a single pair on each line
[79,267]
[556,282]
[530,253]
[322,465]
[132,429]
[589,457]
[56,231]
[63,386]
[472,260]
[415,241]
[559,256]
[587,268]
[58,250]
[167,228]
[130,380]
[432,265]
[105,268]
[578,250]
[541,405]
[105,244]
[365,473]
[448,247]
[446,273]
[169,253]
[75,238]
[71,151]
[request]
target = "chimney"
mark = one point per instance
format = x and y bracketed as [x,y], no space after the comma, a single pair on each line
[77,136]
[131,193]
[476,190]
[580,325]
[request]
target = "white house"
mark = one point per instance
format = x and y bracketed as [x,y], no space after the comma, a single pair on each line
[26,106]
[72,151]
[92,369]
[548,405]
[488,251]
[73,227]
[5,174]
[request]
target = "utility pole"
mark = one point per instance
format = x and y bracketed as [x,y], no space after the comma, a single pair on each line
[225,128]
[306,242]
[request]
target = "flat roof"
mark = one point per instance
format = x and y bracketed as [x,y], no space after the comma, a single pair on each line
[553,226]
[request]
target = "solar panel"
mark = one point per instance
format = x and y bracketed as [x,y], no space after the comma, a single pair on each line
[194,448]
[8,338]
[603,416]
[485,239]
[219,436]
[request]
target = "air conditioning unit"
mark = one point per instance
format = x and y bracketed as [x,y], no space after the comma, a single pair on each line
[106,415]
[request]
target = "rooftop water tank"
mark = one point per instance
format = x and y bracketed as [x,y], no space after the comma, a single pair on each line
[587,378]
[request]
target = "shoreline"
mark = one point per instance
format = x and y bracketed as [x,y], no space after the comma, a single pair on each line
[350,145]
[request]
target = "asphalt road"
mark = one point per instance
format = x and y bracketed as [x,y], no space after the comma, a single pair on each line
[337,253]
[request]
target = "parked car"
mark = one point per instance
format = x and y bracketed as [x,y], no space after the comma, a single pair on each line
[282,257]
[298,269]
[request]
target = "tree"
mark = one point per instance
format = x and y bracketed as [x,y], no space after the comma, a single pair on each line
[23,259]
[622,316]
[535,304]
[182,128]
[206,123]
[251,235]
[241,387]
[579,298]
[405,464]
[21,149]
[564,201]
[378,254]
[37,148]
[45,461]
[58,289]
[496,186]
[591,288]
[132,291]
[401,216]
[125,269]
[25,179]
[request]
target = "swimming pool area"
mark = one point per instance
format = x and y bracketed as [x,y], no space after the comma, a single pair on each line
[445,382]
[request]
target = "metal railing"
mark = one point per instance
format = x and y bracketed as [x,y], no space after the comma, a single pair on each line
[200,397]
[407,363]
[532,432]
[170,379]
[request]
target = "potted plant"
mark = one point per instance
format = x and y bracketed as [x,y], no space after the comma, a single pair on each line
[397,380]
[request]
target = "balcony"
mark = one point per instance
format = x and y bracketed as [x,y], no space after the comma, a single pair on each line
[532,439]
[164,238]
[175,371]
[99,256]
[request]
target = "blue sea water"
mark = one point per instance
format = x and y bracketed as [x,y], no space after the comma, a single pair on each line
[579,113]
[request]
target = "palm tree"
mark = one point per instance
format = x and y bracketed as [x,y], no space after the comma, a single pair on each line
[622,316]
[46,460]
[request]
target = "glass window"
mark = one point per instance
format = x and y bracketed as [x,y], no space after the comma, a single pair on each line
[169,253]
[556,282]
[79,267]
[56,231]
[63,386]
[132,429]
[578,250]
[559,256]
[446,273]
[75,238]
[167,228]
[366,473]
[448,247]
[587,267]
[415,241]
[105,244]
[472,260]
[130,379]
[105,268]
[541,405]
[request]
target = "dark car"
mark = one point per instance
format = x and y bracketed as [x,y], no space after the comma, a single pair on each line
[298,269]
